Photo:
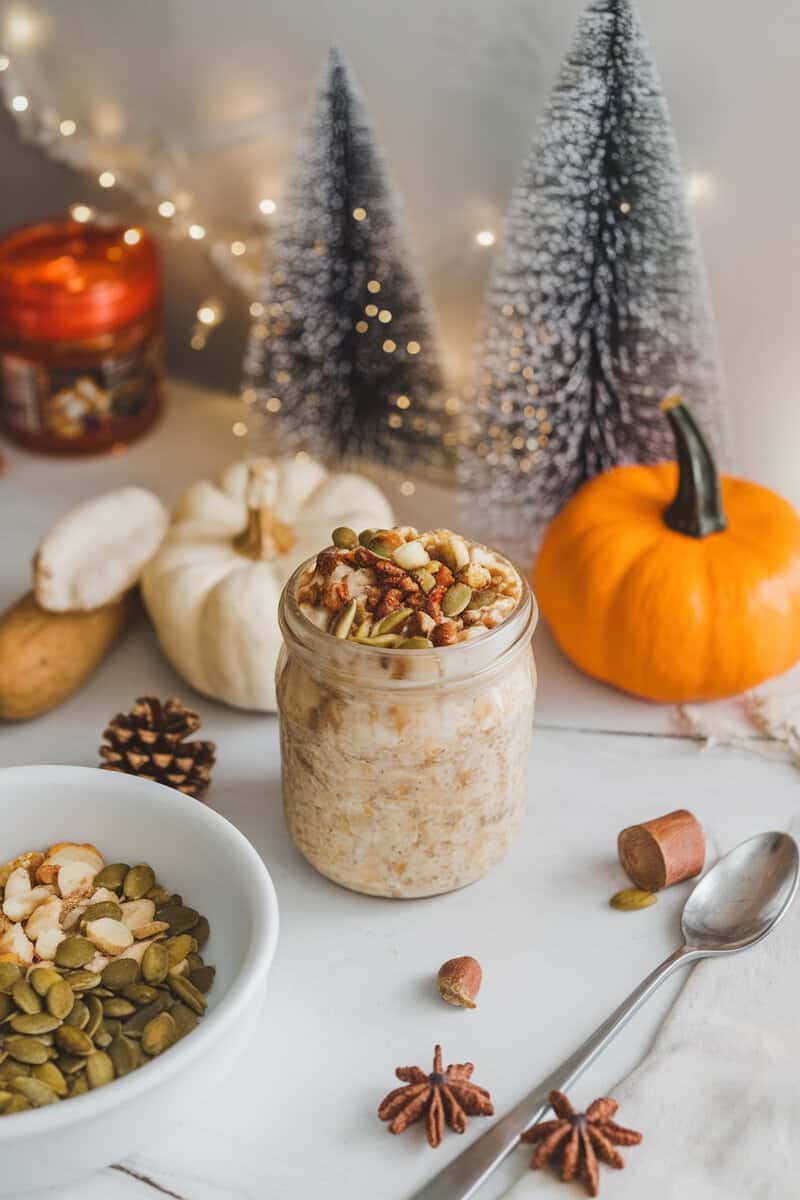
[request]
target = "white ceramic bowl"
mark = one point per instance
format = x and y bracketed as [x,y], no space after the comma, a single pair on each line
[195,852]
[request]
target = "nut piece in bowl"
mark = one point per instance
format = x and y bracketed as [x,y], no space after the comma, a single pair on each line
[103,969]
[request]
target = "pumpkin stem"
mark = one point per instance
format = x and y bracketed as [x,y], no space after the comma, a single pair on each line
[697,508]
[265,536]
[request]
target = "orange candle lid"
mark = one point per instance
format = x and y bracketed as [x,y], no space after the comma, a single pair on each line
[64,281]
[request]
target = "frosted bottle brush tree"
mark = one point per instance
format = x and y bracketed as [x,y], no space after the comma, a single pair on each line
[342,363]
[598,304]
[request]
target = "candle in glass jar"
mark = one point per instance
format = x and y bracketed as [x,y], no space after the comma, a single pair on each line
[80,336]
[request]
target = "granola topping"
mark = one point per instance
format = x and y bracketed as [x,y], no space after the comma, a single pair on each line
[401,589]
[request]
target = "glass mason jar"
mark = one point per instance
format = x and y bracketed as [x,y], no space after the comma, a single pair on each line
[404,771]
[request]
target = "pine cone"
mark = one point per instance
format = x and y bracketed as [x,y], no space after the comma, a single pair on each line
[149,742]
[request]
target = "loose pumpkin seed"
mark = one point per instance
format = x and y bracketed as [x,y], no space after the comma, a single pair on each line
[195,961]
[82,981]
[118,1007]
[122,1054]
[344,622]
[186,991]
[59,999]
[34,1023]
[49,1074]
[96,1015]
[119,973]
[78,1015]
[456,599]
[73,1040]
[344,538]
[25,997]
[34,1090]
[159,1034]
[134,1025]
[185,1020]
[27,1049]
[155,963]
[70,1064]
[5,1097]
[159,895]
[632,899]
[79,1085]
[74,952]
[178,947]
[140,993]
[179,918]
[415,643]
[9,975]
[18,1104]
[103,908]
[99,1069]
[112,876]
[203,978]
[11,1069]
[138,881]
[366,536]
[387,641]
[42,979]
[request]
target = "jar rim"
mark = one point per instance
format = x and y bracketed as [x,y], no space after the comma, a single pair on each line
[462,662]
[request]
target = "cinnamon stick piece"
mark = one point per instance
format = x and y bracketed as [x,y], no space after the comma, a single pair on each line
[663,851]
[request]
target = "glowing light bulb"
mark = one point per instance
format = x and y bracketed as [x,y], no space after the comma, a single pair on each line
[166,209]
[21,30]
[485,237]
[384,316]
[67,127]
[106,179]
[373,286]
[196,232]
[19,103]
[371,310]
[403,402]
[359,214]
[361,326]
[699,185]
[389,346]
[208,314]
[407,488]
[256,309]
[267,206]
[238,248]
[413,347]
[273,405]
[81,212]
[132,237]
[239,429]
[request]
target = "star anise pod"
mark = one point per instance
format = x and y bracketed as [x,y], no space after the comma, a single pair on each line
[580,1139]
[443,1096]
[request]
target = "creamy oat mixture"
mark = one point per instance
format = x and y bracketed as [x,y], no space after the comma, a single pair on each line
[401,589]
[403,776]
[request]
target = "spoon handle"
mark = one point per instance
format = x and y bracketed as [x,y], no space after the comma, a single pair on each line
[462,1178]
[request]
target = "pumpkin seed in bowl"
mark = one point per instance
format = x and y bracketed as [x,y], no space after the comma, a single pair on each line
[100,971]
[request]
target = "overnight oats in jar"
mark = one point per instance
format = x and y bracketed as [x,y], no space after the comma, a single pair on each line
[406,687]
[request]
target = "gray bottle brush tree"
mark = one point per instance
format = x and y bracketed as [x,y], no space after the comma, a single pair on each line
[343,361]
[598,303]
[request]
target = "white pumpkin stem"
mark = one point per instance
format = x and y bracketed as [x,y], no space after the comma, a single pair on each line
[265,536]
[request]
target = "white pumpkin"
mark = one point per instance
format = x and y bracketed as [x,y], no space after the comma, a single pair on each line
[212,589]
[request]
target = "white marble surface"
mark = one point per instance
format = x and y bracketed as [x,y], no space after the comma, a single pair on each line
[352,991]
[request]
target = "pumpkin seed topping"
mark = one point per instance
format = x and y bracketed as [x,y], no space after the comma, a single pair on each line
[481,598]
[456,599]
[74,952]
[159,1034]
[345,620]
[344,538]
[112,876]
[393,621]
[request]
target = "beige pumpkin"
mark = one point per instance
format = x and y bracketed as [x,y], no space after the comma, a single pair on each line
[212,588]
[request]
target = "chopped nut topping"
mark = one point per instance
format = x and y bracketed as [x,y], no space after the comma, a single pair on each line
[447,590]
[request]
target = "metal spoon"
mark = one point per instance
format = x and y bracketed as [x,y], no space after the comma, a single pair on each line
[735,905]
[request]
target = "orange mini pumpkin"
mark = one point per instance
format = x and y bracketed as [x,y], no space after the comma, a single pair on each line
[671,583]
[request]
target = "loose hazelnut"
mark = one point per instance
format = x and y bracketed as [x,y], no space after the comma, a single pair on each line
[459,981]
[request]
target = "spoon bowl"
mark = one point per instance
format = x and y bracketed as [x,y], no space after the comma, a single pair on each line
[743,896]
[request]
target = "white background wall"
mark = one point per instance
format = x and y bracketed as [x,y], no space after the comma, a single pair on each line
[455,87]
